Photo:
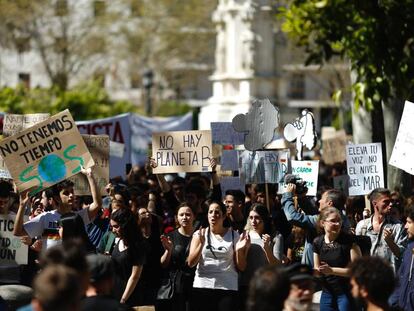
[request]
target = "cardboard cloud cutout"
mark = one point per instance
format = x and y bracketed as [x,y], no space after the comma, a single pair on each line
[258,124]
[302,130]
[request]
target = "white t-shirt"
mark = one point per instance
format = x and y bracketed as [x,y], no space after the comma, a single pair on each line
[218,270]
[47,226]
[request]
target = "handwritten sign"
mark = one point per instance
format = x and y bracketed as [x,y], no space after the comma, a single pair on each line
[334,148]
[98,146]
[231,183]
[15,123]
[403,152]
[182,151]
[364,164]
[259,167]
[308,171]
[229,160]
[223,133]
[46,153]
[12,250]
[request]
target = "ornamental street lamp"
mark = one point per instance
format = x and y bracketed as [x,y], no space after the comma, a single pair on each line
[147,83]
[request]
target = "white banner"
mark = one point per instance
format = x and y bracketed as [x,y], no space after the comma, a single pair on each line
[143,127]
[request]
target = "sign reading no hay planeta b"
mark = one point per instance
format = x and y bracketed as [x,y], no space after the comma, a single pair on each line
[46,153]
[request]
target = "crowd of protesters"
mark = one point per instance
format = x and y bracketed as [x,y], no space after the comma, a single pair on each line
[179,243]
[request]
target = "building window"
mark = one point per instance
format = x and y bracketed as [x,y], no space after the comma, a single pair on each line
[297,86]
[22,44]
[61,8]
[24,79]
[136,8]
[99,8]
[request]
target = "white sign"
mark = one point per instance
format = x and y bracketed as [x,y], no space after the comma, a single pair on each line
[12,250]
[403,152]
[308,171]
[260,167]
[116,149]
[364,164]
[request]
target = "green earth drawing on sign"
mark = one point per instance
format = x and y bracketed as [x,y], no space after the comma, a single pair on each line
[52,168]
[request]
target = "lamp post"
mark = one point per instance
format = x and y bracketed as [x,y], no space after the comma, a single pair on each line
[147,83]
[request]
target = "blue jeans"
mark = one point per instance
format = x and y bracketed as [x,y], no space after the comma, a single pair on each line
[331,302]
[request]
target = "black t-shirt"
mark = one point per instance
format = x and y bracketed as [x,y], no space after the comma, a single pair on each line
[336,254]
[178,262]
[123,263]
[101,302]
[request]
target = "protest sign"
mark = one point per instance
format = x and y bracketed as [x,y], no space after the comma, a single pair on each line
[4,172]
[46,153]
[307,171]
[364,165]
[229,160]
[231,183]
[334,148]
[403,152]
[183,151]
[12,249]
[15,123]
[341,182]
[98,146]
[143,127]
[223,133]
[259,167]
[118,130]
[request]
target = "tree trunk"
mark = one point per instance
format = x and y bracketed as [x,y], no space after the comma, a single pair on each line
[397,179]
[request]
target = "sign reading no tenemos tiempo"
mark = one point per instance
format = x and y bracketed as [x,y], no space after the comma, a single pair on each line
[46,153]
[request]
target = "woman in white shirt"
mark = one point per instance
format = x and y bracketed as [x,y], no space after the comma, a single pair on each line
[214,250]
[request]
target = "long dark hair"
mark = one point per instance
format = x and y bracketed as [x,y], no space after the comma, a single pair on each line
[264,215]
[223,211]
[129,231]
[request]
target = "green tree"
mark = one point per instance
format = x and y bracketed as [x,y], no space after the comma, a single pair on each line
[85,101]
[377,38]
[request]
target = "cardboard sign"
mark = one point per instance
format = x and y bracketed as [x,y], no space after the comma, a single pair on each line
[308,171]
[223,133]
[403,152]
[260,167]
[98,146]
[183,151]
[364,165]
[341,183]
[12,250]
[118,130]
[229,160]
[334,148]
[15,123]
[46,153]
[231,183]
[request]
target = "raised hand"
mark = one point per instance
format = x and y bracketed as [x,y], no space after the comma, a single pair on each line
[166,242]
[200,235]
[267,242]
[243,242]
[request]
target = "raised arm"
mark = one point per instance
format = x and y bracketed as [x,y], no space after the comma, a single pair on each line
[196,247]
[96,205]
[18,229]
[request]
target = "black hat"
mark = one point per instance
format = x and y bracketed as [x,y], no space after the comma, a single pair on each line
[100,267]
[299,272]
